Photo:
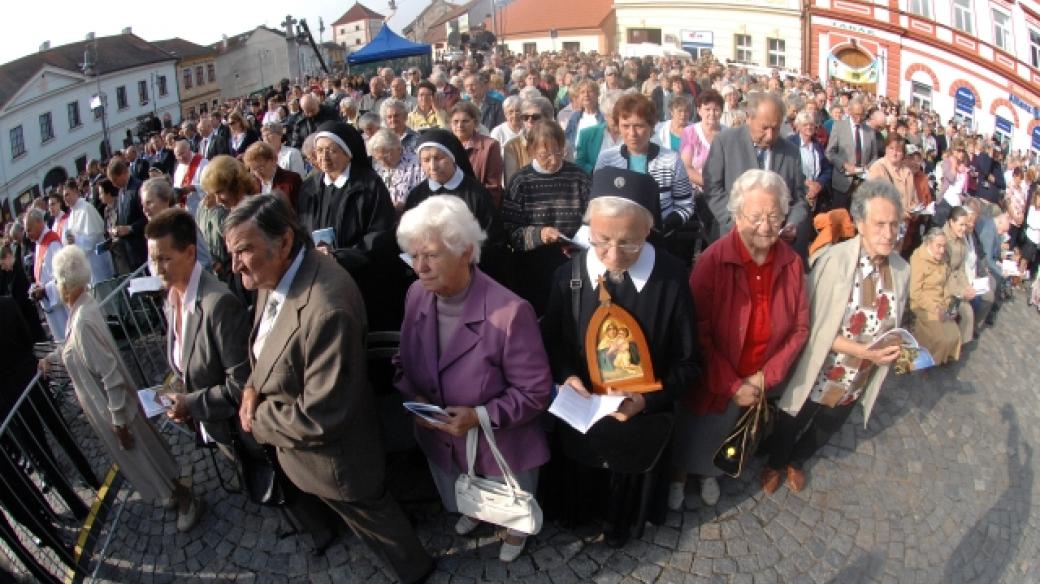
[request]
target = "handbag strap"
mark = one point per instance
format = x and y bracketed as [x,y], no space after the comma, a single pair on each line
[471,449]
[575,285]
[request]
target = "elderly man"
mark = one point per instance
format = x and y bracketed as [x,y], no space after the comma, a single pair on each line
[395,117]
[857,292]
[138,164]
[308,395]
[756,144]
[491,114]
[86,229]
[399,90]
[652,287]
[851,148]
[315,114]
[157,195]
[128,232]
[370,101]
[45,288]
[188,173]
[211,143]
[190,132]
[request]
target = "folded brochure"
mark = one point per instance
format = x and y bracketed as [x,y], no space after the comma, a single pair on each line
[426,411]
[912,356]
[583,412]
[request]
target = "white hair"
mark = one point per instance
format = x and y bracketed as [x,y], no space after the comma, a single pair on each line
[804,117]
[529,93]
[607,102]
[384,139]
[512,101]
[765,180]
[160,188]
[394,103]
[611,206]
[443,218]
[71,269]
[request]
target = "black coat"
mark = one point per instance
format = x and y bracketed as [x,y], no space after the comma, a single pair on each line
[247,141]
[305,126]
[139,169]
[129,212]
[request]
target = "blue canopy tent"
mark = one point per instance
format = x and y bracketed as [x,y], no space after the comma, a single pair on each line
[388,49]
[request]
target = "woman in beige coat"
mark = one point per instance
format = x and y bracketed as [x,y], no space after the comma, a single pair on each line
[106,394]
[930,301]
[957,228]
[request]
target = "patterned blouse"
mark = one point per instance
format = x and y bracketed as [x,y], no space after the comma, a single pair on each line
[869,313]
[402,178]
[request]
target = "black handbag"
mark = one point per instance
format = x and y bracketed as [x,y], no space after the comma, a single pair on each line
[753,426]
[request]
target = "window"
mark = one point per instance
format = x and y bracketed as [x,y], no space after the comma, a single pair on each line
[921,95]
[357,41]
[187,79]
[1002,29]
[142,91]
[46,128]
[121,102]
[921,8]
[211,73]
[357,27]
[530,48]
[963,17]
[1034,47]
[644,35]
[775,49]
[74,121]
[161,80]
[742,48]
[17,142]
[199,80]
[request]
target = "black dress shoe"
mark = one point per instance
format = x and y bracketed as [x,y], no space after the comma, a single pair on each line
[616,538]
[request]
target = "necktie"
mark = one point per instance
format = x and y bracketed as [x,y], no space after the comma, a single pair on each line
[859,146]
[270,313]
[760,154]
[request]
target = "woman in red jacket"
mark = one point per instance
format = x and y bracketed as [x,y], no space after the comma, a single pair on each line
[752,315]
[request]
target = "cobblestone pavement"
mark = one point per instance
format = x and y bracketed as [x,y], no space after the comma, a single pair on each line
[937,488]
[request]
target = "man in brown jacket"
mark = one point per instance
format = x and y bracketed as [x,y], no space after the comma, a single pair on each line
[308,394]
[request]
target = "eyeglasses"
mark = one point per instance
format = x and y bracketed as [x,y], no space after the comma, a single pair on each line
[621,246]
[531,117]
[546,155]
[774,220]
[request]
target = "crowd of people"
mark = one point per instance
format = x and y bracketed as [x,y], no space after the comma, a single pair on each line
[763,231]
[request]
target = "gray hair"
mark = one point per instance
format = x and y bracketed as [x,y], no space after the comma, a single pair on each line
[803,118]
[756,98]
[511,102]
[367,119]
[611,206]
[71,269]
[274,128]
[932,234]
[766,180]
[272,216]
[33,216]
[160,188]
[529,93]
[438,75]
[348,102]
[541,103]
[445,218]
[391,102]
[383,139]
[607,102]
[870,190]
[518,74]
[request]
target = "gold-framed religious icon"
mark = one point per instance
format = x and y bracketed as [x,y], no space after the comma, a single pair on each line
[616,350]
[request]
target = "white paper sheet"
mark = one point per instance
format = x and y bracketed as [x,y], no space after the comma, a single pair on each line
[581,412]
[151,402]
[144,284]
[981,285]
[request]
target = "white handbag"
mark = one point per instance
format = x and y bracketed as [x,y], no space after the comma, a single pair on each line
[504,504]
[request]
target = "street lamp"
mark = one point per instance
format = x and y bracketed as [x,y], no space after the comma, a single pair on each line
[99,100]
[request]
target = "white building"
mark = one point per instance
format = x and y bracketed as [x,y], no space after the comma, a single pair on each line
[357,27]
[254,60]
[767,33]
[48,129]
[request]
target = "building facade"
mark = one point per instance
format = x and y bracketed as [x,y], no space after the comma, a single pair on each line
[253,60]
[357,27]
[49,125]
[535,26]
[766,33]
[196,76]
[976,60]
[430,17]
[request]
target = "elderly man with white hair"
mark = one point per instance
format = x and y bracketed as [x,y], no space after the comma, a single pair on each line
[107,395]
[394,113]
[45,289]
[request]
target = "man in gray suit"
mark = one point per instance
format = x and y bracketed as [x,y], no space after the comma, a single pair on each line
[755,145]
[851,148]
[308,394]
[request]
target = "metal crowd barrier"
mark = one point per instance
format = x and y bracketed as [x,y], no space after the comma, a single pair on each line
[50,495]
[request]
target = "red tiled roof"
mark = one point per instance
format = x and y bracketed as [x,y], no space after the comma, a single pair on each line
[523,16]
[358,12]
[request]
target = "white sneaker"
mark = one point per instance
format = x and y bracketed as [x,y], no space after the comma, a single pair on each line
[510,551]
[710,491]
[466,525]
[676,495]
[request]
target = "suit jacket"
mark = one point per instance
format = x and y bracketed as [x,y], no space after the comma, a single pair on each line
[495,359]
[316,406]
[213,355]
[288,182]
[218,144]
[129,212]
[732,153]
[139,168]
[841,148]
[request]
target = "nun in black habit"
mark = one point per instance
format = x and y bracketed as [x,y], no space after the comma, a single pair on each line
[618,475]
[347,196]
[446,163]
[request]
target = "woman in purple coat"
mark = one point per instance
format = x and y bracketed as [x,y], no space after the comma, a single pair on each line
[467,341]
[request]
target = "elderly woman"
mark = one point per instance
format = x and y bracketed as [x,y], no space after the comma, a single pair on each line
[426,114]
[108,397]
[752,313]
[262,161]
[289,158]
[815,167]
[515,154]
[668,133]
[485,155]
[543,208]
[242,134]
[482,344]
[586,112]
[226,182]
[857,291]
[399,169]
[513,125]
[890,168]
[731,111]
[348,111]
[930,300]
